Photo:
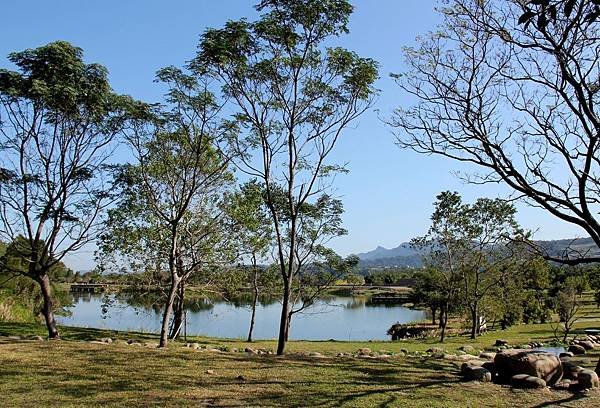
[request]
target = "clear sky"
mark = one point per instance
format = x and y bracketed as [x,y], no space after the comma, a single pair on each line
[388,193]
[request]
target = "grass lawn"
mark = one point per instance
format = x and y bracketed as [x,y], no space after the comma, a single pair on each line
[75,372]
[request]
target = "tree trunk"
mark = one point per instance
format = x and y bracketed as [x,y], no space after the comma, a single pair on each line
[283,323]
[287,329]
[164,331]
[433,310]
[47,310]
[443,322]
[254,301]
[179,308]
[475,321]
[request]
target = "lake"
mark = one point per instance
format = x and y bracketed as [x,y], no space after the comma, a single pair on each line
[339,318]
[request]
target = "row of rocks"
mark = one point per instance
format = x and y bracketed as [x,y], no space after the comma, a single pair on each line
[524,368]
[580,346]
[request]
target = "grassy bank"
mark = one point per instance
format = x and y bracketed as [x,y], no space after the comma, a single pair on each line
[75,372]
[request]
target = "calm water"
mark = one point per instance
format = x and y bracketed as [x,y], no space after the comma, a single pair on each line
[340,318]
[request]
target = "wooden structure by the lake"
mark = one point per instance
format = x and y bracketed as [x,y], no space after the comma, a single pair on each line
[390,297]
[87,287]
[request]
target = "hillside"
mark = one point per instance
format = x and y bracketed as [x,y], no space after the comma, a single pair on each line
[404,256]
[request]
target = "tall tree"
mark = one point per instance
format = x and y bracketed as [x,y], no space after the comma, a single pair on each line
[512,87]
[171,212]
[293,98]
[446,245]
[58,120]
[254,232]
[472,247]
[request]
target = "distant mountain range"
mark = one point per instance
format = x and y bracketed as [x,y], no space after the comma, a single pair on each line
[404,256]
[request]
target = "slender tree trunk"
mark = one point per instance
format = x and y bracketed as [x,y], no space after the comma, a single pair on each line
[475,321]
[164,331]
[283,323]
[443,322]
[254,301]
[433,310]
[503,324]
[47,309]
[179,307]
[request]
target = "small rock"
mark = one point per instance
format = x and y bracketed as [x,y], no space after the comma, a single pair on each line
[500,343]
[475,373]
[15,338]
[315,354]
[527,381]
[588,379]
[37,338]
[240,378]
[234,350]
[106,340]
[214,350]
[563,385]
[209,372]
[364,351]
[250,351]
[435,350]
[487,355]
[467,349]
[565,355]
[576,349]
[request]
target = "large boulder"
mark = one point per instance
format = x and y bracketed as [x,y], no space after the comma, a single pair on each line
[540,364]
[527,381]
[588,379]
[576,349]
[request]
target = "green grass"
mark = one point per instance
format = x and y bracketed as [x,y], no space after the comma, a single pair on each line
[74,372]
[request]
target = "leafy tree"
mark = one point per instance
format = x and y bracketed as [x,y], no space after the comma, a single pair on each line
[255,235]
[171,209]
[293,98]
[429,291]
[471,245]
[446,246]
[568,301]
[512,88]
[59,118]
[17,286]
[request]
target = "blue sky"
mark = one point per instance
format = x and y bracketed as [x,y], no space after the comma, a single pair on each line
[388,193]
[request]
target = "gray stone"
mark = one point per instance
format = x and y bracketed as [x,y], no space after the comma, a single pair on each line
[526,381]
[106,340]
